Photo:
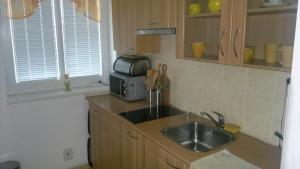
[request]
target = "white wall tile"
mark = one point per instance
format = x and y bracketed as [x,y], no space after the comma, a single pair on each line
[260,85]
[233,81]
[251,98]
[257,121]
[278,105]
[212,87]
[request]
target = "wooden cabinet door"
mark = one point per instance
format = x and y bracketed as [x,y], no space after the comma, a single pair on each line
[124,13]
[163,13]
[131,149]
[238,32]
[143,17]
[225,32]
[157,158]
[100,145]
[114,142]
[156,14]
[105,136]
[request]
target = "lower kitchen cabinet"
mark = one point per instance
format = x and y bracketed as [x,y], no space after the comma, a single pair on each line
[105,136]
[132,148]
[157,158]
[117,145]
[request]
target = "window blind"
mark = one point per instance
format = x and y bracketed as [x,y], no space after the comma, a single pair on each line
[34,44]
[82,47]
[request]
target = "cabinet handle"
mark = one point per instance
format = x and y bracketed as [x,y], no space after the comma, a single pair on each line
[169,164]
[131,136]
[221,41]
[153,23]
[234,42]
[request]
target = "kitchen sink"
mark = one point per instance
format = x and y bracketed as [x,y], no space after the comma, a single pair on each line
[197,137]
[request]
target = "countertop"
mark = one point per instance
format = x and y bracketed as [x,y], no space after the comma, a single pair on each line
[246,147]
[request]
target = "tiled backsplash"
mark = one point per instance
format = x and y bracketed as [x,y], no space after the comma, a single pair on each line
[251,98]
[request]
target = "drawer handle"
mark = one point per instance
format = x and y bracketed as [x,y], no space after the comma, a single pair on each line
[221,41]
[169,164]
[234,42]
[131,136]
[153,23]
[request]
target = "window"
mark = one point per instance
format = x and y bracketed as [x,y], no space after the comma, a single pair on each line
[82,46]
[57,38]
[34,44]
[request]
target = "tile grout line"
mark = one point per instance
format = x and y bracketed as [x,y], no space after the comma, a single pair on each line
[221,93]
[202,86]
[245,98]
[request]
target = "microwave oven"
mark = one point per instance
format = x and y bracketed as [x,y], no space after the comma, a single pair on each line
[128,88]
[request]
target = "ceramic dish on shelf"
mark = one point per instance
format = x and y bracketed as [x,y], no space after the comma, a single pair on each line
[268,5]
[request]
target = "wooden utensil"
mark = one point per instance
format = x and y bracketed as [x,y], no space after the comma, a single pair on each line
[166,84]
[151,78]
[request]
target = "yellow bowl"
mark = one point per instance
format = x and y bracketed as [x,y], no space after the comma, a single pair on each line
[249,52]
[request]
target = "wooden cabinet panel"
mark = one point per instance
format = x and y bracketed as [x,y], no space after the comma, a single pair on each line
[157,158]
[143,9]
[100,144]
[238,32]
[132,149]
[240,23]
[105,136]
[156,14]
[225,32]
[124,25]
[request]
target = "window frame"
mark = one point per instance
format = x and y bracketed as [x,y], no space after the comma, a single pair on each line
[50,84]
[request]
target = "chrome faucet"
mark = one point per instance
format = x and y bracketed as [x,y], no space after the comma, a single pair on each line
[221,121]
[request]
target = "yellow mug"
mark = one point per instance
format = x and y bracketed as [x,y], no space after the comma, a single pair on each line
[286,57]
[249,52]
[272,52]
[198,49]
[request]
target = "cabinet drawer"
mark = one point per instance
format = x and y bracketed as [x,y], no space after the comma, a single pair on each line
[128,131]
[103,115]
[161,158]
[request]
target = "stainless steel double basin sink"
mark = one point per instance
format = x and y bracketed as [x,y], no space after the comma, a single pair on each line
[197,137]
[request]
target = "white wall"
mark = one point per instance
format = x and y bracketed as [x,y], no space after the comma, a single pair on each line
[39,131]
[35,133]
[251,98]
[291,144]
[2,93]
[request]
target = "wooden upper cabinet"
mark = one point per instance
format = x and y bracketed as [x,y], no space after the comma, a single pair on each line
[225,32]
[214,29]
[240,23]
[232,32]
[156,14]
[124,26]
[238,32]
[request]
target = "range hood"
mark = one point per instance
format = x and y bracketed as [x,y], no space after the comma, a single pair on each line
[161,31]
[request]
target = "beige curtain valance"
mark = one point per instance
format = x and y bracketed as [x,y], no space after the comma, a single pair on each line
[89,8]
[21,9]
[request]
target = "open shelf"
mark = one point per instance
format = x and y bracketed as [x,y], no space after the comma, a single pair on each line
[206,58]
[204,15]
[261,64]
[275,9]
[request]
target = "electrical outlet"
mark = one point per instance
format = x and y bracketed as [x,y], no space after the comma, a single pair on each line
[68,154]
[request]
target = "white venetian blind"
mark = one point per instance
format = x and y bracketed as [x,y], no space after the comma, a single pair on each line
[34,44]
[82,48]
